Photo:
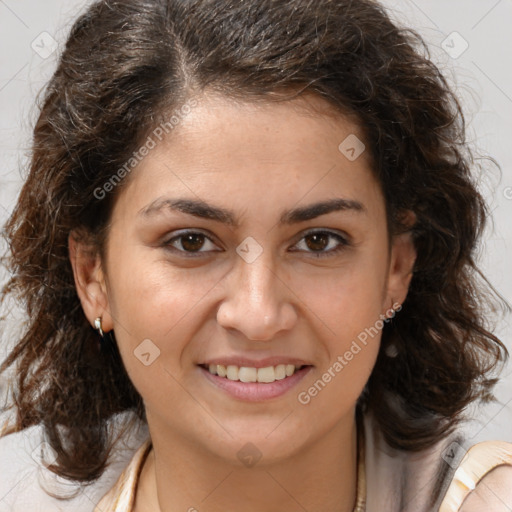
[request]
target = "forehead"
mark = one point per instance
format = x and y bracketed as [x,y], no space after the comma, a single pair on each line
[302,126]
[241,153]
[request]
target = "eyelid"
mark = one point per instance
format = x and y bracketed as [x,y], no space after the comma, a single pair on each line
[176,235]
[343,239]
[329,231]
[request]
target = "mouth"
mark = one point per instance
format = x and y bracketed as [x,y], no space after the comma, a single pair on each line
[265,375]
[254,383]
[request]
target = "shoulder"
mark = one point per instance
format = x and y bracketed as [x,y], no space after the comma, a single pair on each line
[482,481]
[493,492]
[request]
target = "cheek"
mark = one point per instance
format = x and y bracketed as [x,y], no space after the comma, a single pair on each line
[351,326]
[353,337]
[153,301]
[155,313]
[347,300]
[347,304]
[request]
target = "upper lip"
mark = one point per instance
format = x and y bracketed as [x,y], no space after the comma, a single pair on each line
[252,363]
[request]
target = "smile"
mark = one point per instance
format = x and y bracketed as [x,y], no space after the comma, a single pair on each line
[251,383]
[248,374]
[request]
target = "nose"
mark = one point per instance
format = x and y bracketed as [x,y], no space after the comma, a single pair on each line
[257,302]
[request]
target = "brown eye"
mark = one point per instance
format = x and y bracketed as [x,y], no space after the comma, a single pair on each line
[322,243]
[192,242]
[317,241]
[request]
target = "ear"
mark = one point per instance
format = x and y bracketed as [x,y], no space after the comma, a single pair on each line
[89,280]
[403,256]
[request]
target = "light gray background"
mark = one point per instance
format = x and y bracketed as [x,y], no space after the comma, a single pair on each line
[482,76]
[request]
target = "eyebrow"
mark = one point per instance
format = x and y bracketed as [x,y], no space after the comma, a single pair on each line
[203,210]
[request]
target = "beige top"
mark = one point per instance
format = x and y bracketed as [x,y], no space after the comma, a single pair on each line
[387,479]
[478,461]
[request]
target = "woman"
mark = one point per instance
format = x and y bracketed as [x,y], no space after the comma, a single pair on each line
[265,211]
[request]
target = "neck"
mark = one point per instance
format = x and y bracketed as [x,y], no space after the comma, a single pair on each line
[179,475]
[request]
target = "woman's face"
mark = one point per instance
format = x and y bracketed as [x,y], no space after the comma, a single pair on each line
[248,238]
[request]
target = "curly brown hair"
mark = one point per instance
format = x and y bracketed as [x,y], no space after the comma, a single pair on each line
[126,65]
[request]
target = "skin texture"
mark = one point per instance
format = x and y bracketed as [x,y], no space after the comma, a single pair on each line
[494,492]
[258,161]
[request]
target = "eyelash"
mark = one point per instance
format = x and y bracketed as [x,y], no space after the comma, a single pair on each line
[343,243]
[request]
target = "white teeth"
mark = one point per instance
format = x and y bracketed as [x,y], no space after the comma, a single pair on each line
[266,374]
[248,374]
[232,372]
[280,371]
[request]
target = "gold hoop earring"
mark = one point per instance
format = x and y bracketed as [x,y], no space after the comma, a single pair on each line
[107,343]
[97,326]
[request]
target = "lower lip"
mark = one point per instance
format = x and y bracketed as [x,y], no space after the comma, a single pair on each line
[256,391]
